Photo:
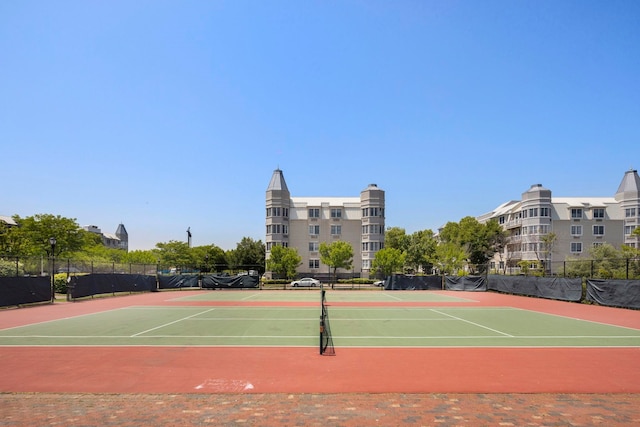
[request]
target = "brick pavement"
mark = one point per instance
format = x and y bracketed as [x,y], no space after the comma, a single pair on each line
[348,410]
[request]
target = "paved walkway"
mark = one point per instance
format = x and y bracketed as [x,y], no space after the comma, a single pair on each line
[349,410]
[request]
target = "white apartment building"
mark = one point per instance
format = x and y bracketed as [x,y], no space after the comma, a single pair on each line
[303,223]
[579,223]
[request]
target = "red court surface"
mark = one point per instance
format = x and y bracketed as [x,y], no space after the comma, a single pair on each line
[249,375]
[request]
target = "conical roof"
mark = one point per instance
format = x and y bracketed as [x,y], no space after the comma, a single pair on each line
[277,182]
[629,187]
[121,231]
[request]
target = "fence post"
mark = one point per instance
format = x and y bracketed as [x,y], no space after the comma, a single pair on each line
[17,269]
[627,268]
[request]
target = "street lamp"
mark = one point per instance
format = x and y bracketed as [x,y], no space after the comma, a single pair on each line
[52,242]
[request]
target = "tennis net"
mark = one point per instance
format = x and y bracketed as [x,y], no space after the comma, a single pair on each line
[326,340]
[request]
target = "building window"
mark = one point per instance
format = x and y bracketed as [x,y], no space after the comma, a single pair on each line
[285,229]
[533,212]
[336,213]
[598,213]
[501,220]
[314,212]
[314,229]
[273,211]
[576,230]
[545,212]
[576,247]
[314,263]
[576,213]
[628,229]
[313,246]
[372,212]
[336,229]
[524,213]
[630,212]
[598,230]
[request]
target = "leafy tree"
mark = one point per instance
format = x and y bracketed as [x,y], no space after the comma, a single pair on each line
[31,236]
[140,257]
[387,261]
[396,237]
[175,254]
[480,241]
[547,242]
[420,250]
[605,262]
[248,253]
[449,257]
[283,261]
[338,254]
[211,257]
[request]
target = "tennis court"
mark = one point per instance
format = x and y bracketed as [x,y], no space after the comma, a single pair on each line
[371,326]
[257,341]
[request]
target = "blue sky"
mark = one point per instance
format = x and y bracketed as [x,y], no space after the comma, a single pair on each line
[165,115]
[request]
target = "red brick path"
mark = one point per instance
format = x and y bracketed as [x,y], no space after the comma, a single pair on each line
[87,410]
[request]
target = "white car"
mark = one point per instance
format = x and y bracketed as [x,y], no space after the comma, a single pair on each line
[306,281]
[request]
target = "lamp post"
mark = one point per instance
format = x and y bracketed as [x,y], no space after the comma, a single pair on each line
[52,242]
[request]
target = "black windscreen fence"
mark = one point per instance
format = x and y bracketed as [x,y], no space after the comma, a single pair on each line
[558,288]
[401,282]
[614,293]
[223,282]
[178,281]
[96,284]
[24,290]
[465,283]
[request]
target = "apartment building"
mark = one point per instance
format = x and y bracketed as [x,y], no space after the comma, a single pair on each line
[117,240]
[304,222]
[578,223]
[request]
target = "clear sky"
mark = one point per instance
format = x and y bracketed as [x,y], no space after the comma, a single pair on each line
[165,115]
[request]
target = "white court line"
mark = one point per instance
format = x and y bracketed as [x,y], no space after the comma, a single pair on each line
[473,323]
[392,296]
[341,337]
[171,323]
[62,318]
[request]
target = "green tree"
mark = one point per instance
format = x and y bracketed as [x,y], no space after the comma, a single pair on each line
[140,257]
[31,236]
[387,261]
[396,237]
[449,257]
[480,241]
[547,242]
[212,257]
[248,254]
[420,250]
[338,254]
[175,254]
[283,261]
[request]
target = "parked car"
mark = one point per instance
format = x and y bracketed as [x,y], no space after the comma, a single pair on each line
[379,283]
[306,281]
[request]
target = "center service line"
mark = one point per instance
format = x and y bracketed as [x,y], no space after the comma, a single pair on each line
[171,323]
[473,323]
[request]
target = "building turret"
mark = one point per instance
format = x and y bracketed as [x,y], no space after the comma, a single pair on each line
[278,202]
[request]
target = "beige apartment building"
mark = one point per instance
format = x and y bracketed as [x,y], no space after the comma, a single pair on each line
[578,223]
[303,223]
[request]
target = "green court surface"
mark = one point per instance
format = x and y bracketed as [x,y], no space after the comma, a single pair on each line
[299,326]
[314,296]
